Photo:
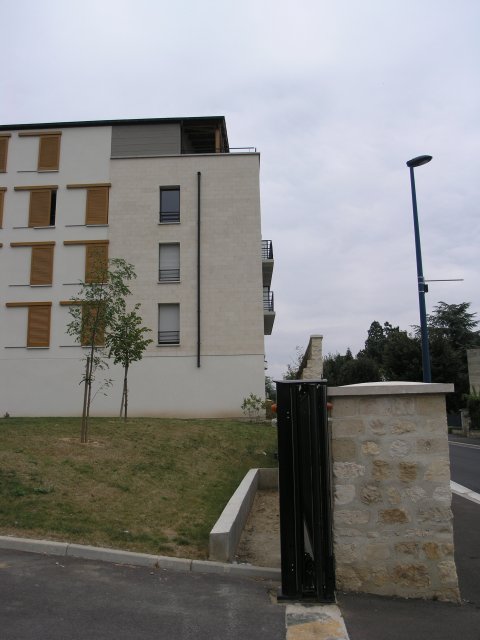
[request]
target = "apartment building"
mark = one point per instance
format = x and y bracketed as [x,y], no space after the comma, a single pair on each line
[168,196]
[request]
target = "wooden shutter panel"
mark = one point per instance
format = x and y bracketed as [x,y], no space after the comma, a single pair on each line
[2,194]
[38,326]
[89,316]
[39,214]
[41,268]
[3,153]
[96,262]
[97,206]
[48,153]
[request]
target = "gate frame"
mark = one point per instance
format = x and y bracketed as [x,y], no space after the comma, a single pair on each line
[305,488]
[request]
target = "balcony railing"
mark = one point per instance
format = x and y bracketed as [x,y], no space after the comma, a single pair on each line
[267,250]
[169,216]
[169,275]
[169,337]
[268,304]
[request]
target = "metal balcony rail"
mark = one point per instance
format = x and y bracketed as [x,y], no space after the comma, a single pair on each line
[169,275]
[170,216]
[267,250]
[169,337]
[268,301]
[244,149]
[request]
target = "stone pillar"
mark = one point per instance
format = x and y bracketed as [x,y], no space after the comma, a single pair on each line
[312,363]
[393,530]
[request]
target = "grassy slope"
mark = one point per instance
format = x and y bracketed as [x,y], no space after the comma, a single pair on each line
[150,485]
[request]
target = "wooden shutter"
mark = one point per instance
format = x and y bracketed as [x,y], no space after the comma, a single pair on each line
[97,205]
[89,316]
[96,261]
[41,268]
[49,153]
[38,334]
[40,203]
[2,194]
[3,153]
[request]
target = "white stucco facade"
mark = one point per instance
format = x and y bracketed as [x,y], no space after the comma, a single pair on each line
[219,357]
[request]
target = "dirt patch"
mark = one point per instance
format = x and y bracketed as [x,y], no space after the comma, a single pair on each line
[260,541]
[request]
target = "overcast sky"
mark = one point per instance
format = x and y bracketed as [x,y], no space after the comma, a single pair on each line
[336,95]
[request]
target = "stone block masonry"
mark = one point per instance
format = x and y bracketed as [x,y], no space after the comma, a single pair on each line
[393,530]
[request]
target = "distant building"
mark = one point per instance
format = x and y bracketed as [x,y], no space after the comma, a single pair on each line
[167,195]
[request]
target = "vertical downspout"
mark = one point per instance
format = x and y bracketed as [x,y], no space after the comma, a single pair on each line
[199,176]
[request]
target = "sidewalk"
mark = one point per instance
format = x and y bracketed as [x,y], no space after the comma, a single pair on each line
[379,618]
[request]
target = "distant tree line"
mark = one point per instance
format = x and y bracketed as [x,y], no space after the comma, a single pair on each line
[391,353]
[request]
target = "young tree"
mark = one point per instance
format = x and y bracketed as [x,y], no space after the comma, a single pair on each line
[126,343]
[93,311]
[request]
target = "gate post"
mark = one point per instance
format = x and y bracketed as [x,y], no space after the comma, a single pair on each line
[305,491]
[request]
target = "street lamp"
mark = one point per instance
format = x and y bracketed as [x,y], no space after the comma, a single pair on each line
[422,287]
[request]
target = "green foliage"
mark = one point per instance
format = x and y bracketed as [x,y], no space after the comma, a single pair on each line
[393,354]
[294,366]
[126,343]
[252,406]
[339,370]
[270,389]
[96,310]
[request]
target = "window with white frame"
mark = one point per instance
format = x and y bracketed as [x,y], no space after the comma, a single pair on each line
[168,324]
[169,262]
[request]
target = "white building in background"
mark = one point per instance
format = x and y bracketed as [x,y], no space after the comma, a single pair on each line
[167,195]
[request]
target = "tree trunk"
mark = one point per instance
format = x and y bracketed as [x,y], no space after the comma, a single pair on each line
[125,391]
[83,430]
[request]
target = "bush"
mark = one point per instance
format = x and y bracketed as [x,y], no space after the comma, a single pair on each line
[253,406]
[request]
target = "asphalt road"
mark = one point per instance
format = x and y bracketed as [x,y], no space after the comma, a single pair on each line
[57,598]
[465,462]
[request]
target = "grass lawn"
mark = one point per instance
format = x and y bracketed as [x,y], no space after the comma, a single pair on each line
[150,485]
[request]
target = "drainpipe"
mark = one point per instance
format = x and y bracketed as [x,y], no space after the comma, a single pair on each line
[199,177]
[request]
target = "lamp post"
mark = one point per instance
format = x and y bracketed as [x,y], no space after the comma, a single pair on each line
[422,287]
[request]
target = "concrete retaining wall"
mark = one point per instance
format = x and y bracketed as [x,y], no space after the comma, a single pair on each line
[225,535]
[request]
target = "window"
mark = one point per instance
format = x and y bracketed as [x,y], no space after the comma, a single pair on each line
[96,262]
[169,204]
[96,258]
[43,205]
[168,324]
[48,149]
[38,325]
[169,263]
[38,333]
[41,265]
[3,152]
[2,196]
[92,321]
[97,206]
[97,202]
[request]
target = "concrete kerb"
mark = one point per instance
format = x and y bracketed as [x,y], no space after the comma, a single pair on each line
[115,556]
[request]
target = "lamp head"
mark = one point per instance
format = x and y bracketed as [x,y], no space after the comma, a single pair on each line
[418,161]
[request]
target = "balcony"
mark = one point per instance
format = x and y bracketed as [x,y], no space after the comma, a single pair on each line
[268,311]
[267,262]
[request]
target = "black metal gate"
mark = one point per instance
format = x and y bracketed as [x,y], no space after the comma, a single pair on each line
[305,491]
